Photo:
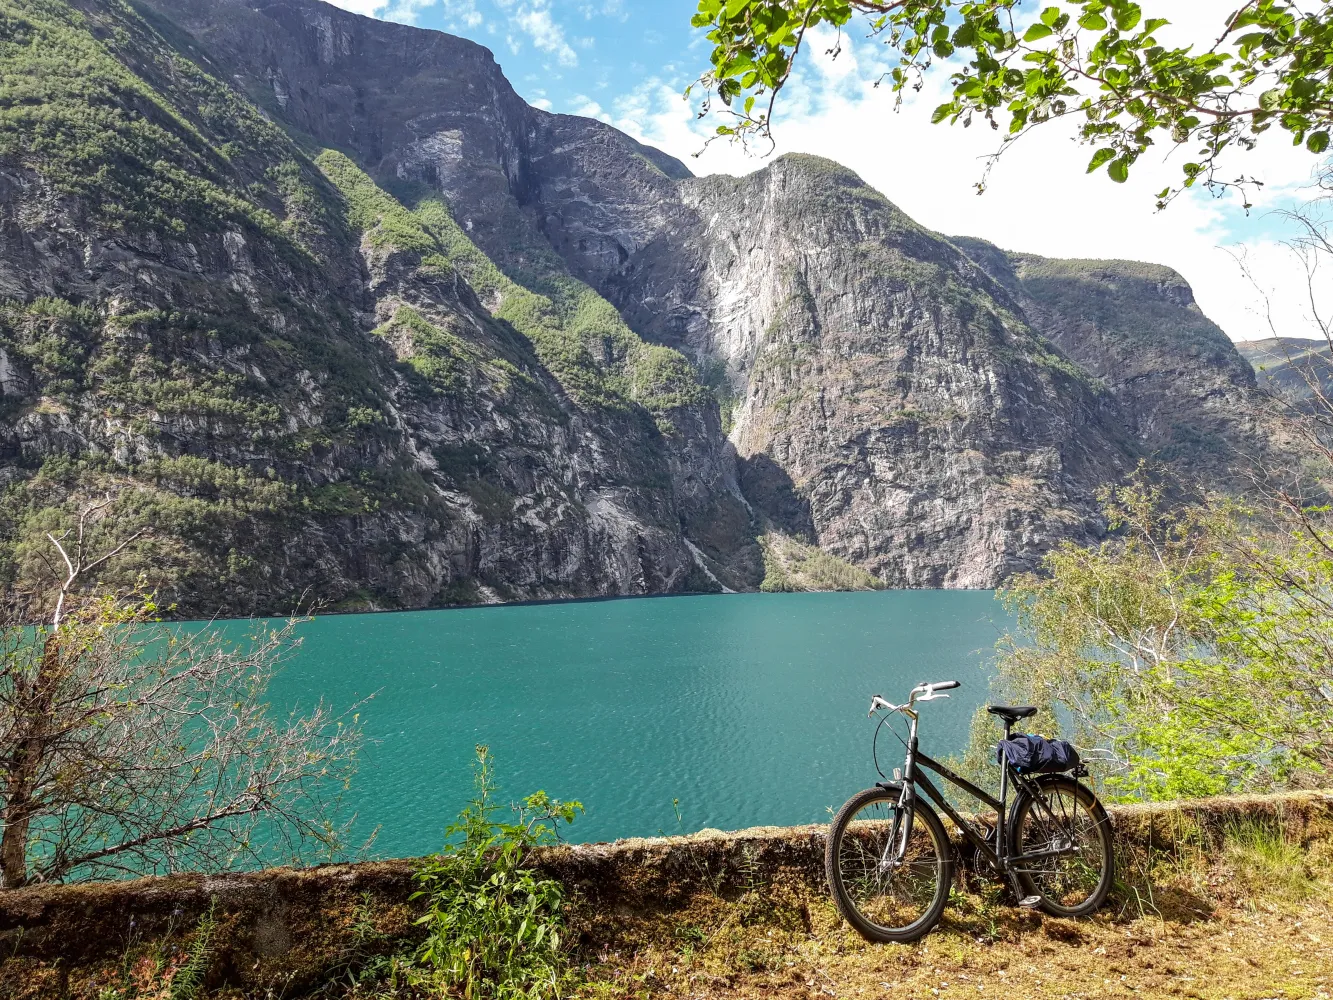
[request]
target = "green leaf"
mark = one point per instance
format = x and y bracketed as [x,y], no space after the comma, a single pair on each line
[1270,100]
[1153,23]
[941,113]
[734,7]
[1049,16]
[1037,32]
[1092,21]
[1100,157]
[1317,143]
[1119,170]
[1128,17]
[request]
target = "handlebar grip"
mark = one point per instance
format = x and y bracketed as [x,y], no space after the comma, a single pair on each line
[946,685]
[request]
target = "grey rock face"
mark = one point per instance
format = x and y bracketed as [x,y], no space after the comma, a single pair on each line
[939,413]
[931,435]
[1187,396]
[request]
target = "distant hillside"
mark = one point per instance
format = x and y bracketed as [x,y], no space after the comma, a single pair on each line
[1292,366]
[1185,394]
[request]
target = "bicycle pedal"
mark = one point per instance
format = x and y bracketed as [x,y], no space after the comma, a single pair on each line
[1029,902]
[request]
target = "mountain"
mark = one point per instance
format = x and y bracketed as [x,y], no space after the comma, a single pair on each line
[1293,367]
[325,306]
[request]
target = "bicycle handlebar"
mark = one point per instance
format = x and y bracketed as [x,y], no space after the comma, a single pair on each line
[942,685]
[922,692]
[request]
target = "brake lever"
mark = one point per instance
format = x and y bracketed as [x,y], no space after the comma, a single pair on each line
[932,696]
[876,703]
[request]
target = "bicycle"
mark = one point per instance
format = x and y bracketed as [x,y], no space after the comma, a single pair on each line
[890,864]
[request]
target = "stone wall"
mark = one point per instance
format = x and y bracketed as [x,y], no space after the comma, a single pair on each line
[293,929]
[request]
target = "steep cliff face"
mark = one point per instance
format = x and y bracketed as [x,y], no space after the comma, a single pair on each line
[323,302]
[293,380]
[890,399]
[1186,394]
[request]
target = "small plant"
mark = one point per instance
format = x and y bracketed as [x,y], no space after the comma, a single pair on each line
[493,927]
[160,972]
[188,981]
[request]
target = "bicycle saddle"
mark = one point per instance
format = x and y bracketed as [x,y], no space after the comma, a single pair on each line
[1012,713]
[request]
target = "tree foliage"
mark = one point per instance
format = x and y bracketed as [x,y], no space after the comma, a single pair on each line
[1195,646]
[130,747]
[1103,63]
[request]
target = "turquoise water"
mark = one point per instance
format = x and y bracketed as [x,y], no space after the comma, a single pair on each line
[748,709]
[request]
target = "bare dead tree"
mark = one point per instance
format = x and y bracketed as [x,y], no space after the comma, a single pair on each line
[128,746]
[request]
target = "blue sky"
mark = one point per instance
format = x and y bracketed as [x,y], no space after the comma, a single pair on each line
[628,61]
[564,53]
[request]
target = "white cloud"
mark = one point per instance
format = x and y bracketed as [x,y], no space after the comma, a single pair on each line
[1039,198]
[461,14]
[606,8]
[586,107]
[369,8]
[402,11]
[534,19]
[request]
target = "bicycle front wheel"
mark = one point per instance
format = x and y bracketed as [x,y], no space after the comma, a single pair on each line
[889,868]
[1061,840]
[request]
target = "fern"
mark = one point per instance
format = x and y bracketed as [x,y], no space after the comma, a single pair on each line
[188,982]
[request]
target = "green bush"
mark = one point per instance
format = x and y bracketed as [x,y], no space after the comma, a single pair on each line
[494,928]
[1191,647]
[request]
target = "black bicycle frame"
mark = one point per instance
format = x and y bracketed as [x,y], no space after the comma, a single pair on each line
[998,856]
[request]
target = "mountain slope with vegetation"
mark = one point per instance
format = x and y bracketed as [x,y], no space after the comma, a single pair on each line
[333,314]
[1186,394]
[288,376]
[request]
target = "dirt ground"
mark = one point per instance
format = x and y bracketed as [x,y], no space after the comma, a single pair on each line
[1257,922]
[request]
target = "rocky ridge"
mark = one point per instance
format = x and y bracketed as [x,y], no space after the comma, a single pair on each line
[329,307]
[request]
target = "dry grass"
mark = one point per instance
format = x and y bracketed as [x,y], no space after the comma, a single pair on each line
[1253,919]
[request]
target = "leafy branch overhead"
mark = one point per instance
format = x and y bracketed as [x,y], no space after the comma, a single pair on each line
[1103,63]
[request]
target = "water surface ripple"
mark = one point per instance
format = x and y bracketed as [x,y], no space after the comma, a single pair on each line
[748,709]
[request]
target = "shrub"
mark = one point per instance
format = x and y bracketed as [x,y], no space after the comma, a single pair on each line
[1193,645]
[494,927]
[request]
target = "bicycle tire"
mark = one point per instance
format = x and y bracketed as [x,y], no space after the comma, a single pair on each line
[1024,823]
[943,863]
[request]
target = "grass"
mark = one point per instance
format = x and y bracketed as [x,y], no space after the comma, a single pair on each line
[792,566]
[1267,863]
[1225,923]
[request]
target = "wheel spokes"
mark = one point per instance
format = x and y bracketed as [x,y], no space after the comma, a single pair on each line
[1062,843]
[890,882]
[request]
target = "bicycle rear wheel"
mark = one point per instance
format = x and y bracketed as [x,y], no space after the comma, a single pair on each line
[1065,835]
[888,893]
